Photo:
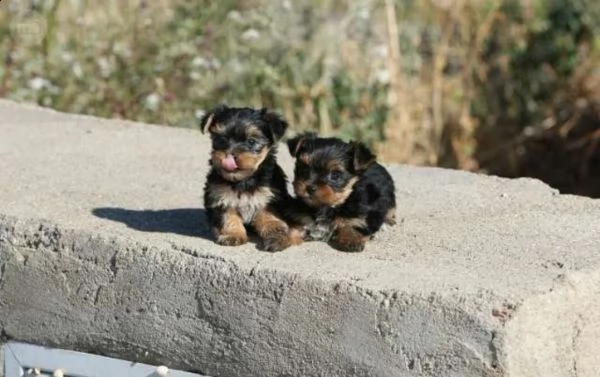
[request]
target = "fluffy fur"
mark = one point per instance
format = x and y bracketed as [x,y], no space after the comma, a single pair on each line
[245,185]
[343,195]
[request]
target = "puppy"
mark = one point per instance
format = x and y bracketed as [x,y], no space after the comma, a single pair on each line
[346,193]
[245,186]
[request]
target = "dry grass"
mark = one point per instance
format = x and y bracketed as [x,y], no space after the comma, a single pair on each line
[457,83]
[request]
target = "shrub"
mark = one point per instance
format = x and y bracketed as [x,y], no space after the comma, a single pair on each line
[476,85]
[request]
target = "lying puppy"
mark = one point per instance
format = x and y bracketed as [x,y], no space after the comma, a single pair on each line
[347,194]
[245,185]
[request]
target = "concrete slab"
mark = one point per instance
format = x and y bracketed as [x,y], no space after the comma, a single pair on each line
[103,248]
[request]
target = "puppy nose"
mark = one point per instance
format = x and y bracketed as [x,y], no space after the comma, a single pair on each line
[311,189]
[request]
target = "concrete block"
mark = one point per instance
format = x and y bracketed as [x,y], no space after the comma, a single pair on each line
[104,248]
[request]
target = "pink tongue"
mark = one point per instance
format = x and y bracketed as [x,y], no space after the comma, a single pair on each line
[228,163]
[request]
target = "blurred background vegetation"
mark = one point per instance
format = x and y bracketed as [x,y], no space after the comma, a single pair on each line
[508,87]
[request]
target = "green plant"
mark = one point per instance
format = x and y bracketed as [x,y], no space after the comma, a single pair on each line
[456,83]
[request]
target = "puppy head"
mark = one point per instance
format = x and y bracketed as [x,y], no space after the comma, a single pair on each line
[241,138]
[327,168]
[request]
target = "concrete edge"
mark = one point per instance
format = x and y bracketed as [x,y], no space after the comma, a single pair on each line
[107,295]
[555,334]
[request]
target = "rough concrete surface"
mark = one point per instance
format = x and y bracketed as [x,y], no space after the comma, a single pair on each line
[103,248]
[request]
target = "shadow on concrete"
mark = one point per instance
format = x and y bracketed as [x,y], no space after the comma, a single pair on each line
[185,221]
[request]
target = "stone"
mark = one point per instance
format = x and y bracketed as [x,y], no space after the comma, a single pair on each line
[104,248]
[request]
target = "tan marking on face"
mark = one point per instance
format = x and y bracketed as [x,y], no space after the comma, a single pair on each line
[300,188]
[305,157]
[247,162]
[253,131]
[251,161]
[217,156]
[345,193]
[232,231]
[334,165]
[325,195]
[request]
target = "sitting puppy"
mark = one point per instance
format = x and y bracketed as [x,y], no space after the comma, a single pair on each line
[345,192]
[245,185]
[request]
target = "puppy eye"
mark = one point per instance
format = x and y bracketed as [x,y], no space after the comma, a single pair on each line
[335,175]
[252,142]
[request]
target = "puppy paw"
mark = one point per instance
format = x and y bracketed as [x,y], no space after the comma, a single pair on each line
[231,240]
[348,239]
[347,246]
[276,244]
[297,236]
[390,217]
[277,241]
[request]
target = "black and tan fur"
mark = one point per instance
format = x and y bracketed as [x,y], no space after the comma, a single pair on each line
[343,195]
[245,185]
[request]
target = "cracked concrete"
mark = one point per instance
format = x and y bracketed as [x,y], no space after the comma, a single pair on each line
[103,248]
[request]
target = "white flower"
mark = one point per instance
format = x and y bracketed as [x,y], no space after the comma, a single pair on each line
[77,70]
[38,83]
[121,49]
[234,15]
[380,51]
[195,75]
[200,62]
[363,13]
[104,66]
[236,66]
[152,101]
[199,113]
[250,35]
[67,57]
[382,76]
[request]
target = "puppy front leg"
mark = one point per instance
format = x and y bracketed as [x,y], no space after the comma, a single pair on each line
[231,231]
[346,237]
[274,232]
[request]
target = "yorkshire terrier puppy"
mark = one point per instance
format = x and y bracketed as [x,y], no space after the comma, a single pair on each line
[347,196]
[245,186]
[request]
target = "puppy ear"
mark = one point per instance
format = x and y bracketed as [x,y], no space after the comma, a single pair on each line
[276,124]
[294,144]
[362,156]
[208,119]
